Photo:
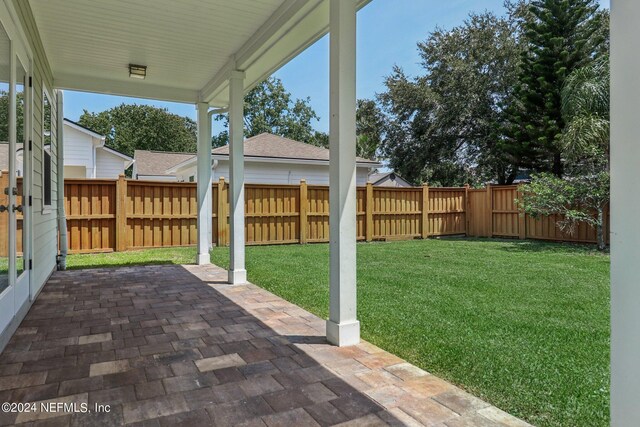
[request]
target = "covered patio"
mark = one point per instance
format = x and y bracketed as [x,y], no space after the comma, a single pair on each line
[177,345]
[210,54]
[196,344]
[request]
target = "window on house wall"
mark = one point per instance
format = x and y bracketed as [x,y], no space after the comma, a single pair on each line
[46,151]
[192,178]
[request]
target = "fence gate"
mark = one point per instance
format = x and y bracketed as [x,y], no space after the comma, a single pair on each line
[479,213]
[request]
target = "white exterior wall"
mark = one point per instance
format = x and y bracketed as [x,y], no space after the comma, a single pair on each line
[78,150]
[75,172]
[164,178]
[108,166]
[44,221]
[278,173]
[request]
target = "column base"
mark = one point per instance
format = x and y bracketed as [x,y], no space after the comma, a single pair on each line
[203,259]
[343,334]
[237,277]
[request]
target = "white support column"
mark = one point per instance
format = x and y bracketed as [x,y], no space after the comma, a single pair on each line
[625,211]
[342,327]
[237,271]
[204,183]
[210,204]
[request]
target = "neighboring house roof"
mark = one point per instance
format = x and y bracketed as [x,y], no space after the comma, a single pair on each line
[267,145]
[388,179]
[4,155]
[157,163]
[277,149]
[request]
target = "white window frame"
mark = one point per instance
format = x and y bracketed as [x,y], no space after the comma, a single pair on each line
[46,209]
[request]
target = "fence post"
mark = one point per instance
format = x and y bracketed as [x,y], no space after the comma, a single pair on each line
[222,214]
[467,210]
[425,211]
[304,202]
[121,214]
[522,223]
[489,203]
[368,209]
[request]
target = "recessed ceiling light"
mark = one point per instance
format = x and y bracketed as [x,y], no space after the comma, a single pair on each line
[137,71]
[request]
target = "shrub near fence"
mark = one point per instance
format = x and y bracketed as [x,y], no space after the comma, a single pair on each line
[117,215]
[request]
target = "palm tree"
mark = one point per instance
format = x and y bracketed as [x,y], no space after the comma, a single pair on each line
[585,107]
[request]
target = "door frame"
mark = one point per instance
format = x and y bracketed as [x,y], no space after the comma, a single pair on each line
[23,281]
[17,295]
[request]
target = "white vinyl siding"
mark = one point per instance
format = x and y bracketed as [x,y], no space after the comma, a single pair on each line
[285,173]
[45,242]
[78,150]
[164,178]
[108,165]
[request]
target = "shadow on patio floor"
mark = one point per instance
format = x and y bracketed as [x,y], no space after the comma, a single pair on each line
[172,345]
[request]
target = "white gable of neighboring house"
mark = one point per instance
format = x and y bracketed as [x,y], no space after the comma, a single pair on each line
[86,156]
[271,159]
[388,179]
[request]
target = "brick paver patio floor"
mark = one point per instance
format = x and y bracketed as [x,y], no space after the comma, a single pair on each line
[174,345]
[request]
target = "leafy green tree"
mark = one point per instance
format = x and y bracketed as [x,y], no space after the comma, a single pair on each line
[270,108]
[444,127]
[369,129]
[574,199]
[586,111]
[561,36]
[582,195]
[4,116]
[130,127]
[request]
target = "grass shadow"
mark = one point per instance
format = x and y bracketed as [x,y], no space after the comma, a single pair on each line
[533,246]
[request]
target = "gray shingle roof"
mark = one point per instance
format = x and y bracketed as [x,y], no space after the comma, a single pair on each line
[156,163]
[274,146]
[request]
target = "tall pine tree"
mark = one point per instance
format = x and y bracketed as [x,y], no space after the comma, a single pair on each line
[562,35]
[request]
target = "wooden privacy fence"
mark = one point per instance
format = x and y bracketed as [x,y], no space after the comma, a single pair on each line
[4,217]
[117,215]
[493,213]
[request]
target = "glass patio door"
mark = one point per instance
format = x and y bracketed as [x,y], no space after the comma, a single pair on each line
[21,183]
[15,179]
[5,206]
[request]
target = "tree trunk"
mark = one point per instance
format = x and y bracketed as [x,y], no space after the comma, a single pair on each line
[600,230]
[511,177]
[558,169]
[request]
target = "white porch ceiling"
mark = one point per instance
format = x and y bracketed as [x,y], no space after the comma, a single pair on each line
[189,46]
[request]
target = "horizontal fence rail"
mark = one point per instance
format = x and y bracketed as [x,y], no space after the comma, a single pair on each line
[118,215]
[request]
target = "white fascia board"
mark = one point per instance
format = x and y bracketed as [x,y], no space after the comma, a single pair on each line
[182,165]
[117,154]
[296,25]
[248,159]
[98,142]
[137,88]
[84,130]
[277,21]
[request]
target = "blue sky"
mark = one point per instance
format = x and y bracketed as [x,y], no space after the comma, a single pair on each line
[388,31]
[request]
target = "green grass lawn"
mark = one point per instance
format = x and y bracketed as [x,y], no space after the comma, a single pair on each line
[523,325]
